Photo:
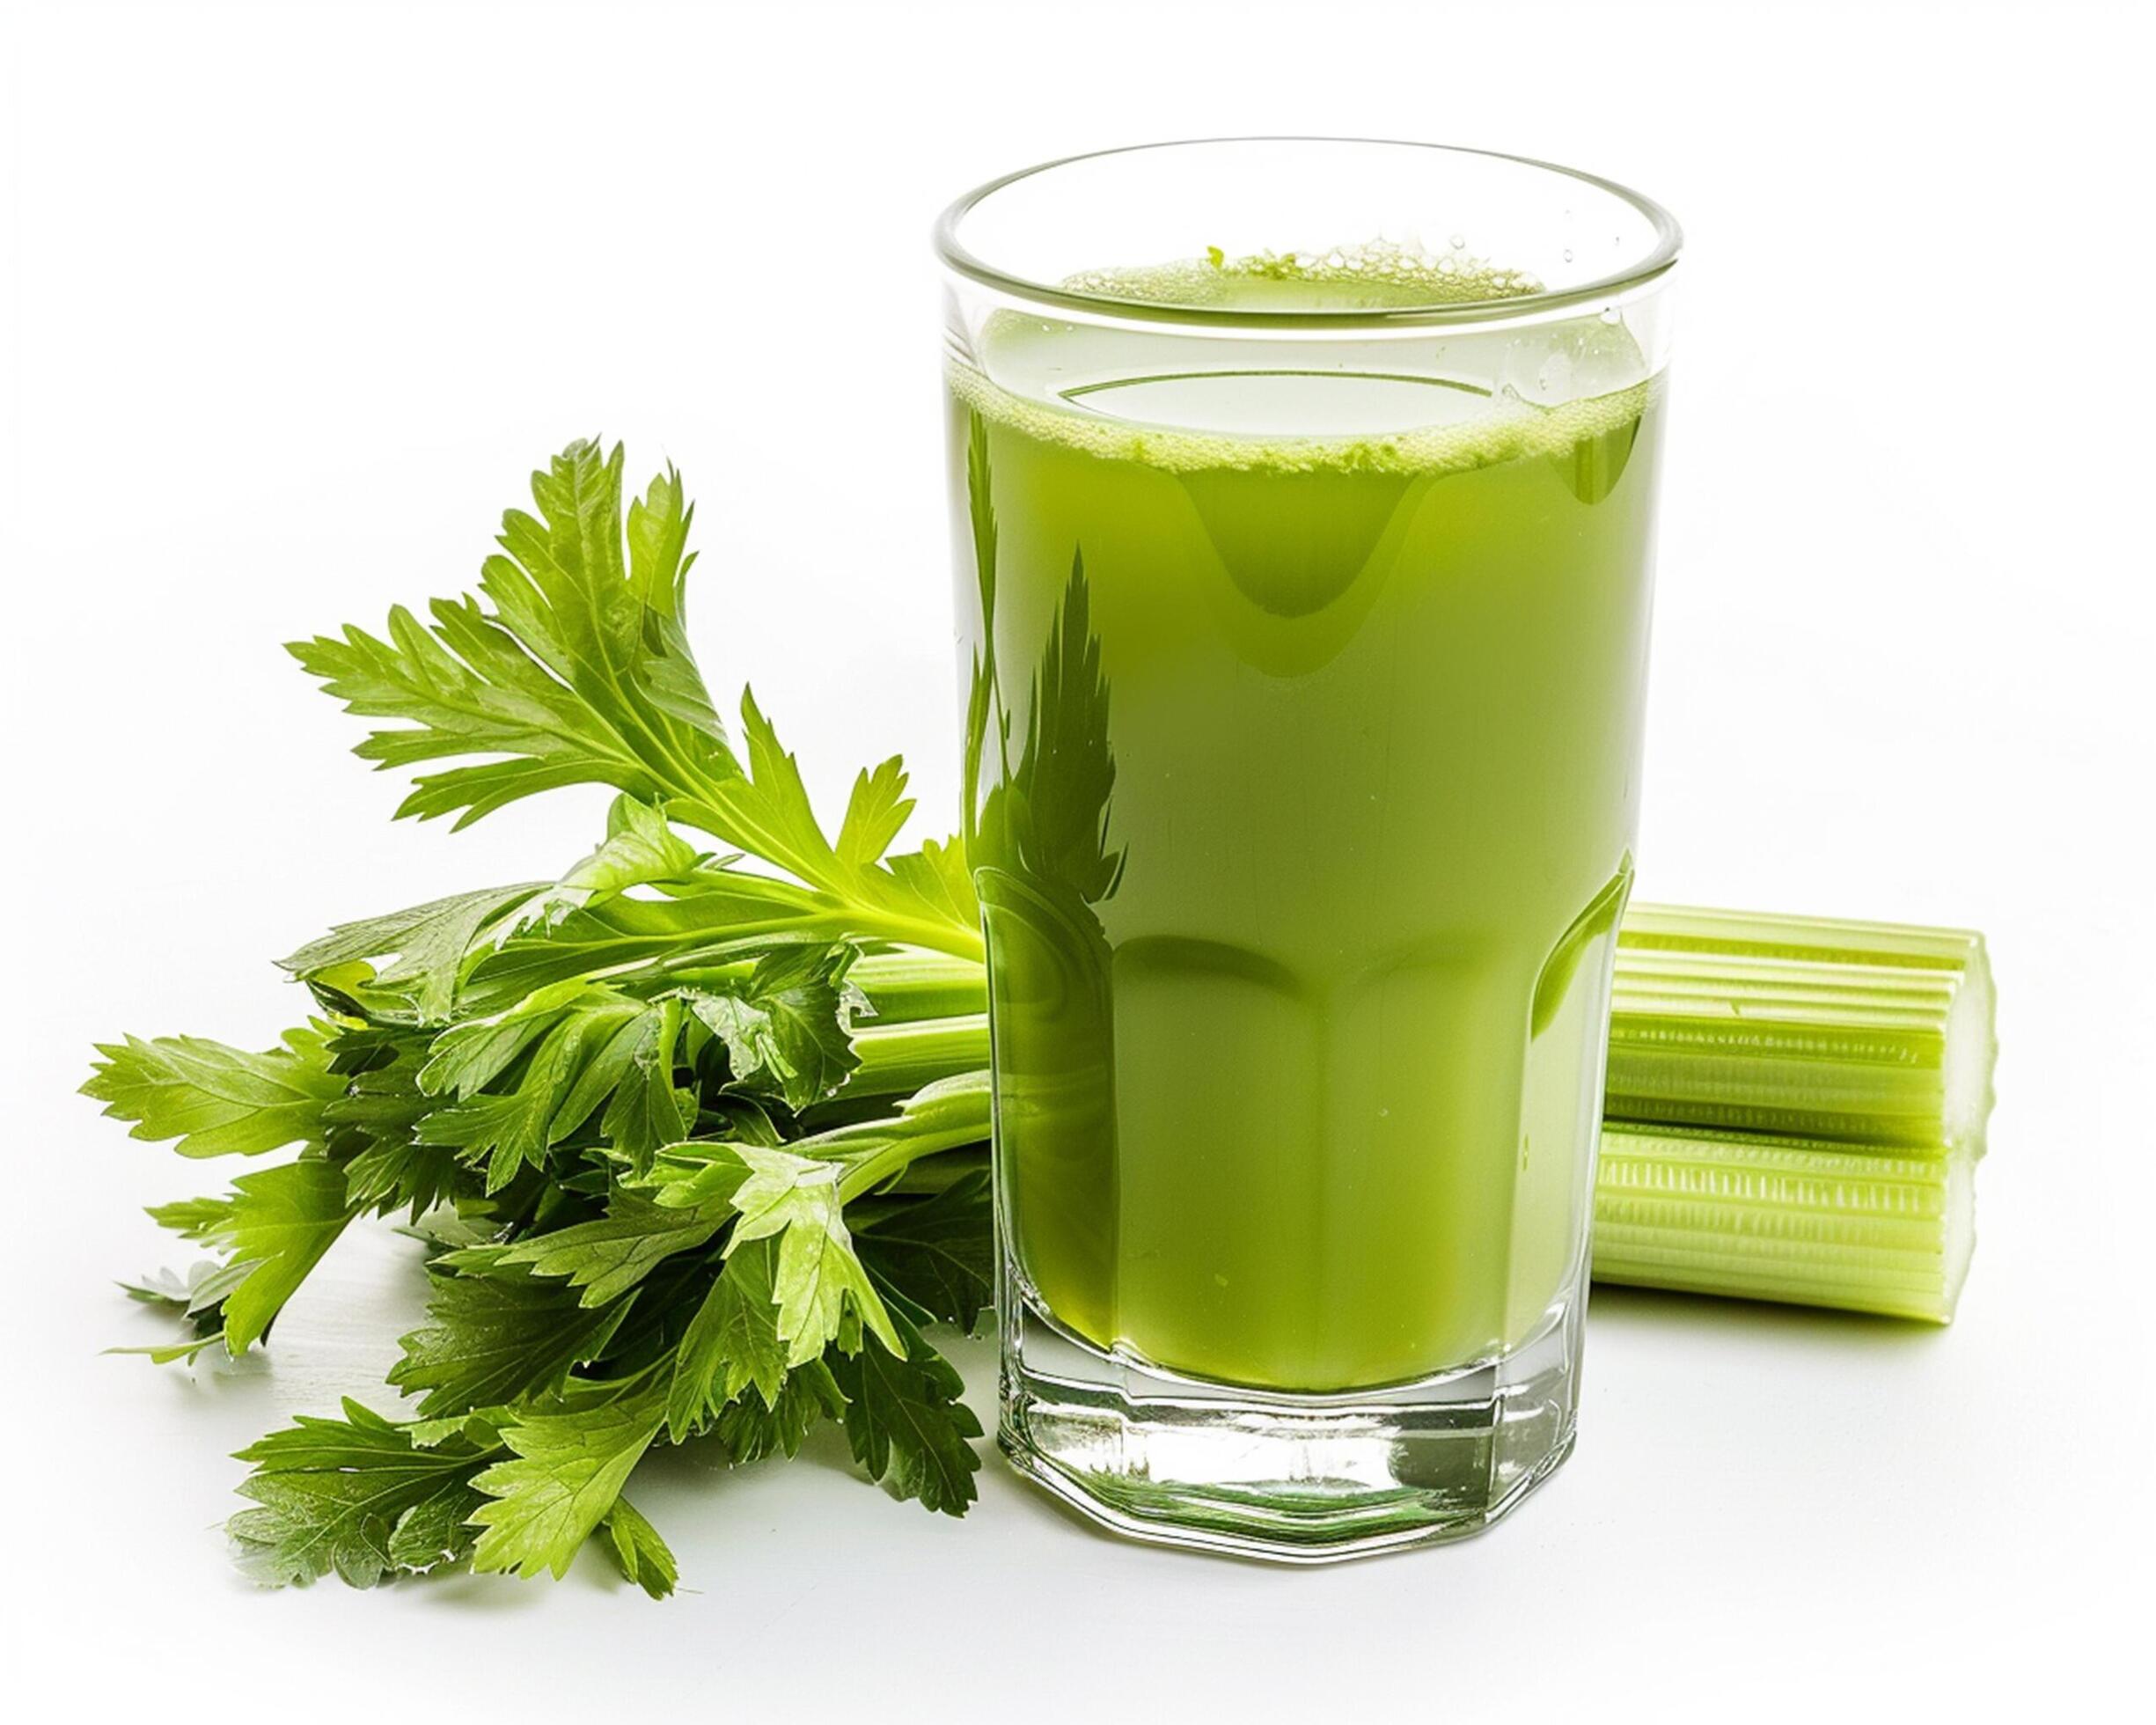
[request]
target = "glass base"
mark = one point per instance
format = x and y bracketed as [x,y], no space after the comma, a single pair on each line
[1292,1478]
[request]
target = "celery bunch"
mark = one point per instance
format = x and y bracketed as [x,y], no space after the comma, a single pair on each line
[1794,1110]
[680,1180]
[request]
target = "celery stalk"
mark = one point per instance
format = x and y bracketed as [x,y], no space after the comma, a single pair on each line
[1805,1221]
[1794,1110]
[898,1059]
[1866,1032]
[903,988]
[925,1018]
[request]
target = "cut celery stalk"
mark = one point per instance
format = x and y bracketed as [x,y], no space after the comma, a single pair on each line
[1794,1108]
[1864,1032]
[1807,1221]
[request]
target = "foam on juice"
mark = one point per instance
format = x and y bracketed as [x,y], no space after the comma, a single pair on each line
[1460,400]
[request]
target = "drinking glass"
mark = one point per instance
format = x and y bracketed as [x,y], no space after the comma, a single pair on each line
[1303,493]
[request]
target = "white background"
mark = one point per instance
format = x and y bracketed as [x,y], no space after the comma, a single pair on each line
[295,297]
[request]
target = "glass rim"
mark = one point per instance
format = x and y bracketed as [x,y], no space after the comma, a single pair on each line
[1656,261]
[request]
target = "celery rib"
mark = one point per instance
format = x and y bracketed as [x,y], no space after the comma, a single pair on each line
[905,986]
[1812,1221]
[1864,1032]
[898,1059]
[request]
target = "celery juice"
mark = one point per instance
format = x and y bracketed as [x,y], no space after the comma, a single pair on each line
[1302,772]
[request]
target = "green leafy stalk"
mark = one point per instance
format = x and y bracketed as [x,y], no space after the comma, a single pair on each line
[636,1109]
[581,673]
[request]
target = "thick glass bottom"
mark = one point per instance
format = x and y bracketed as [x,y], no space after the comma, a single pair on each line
[1292,1478]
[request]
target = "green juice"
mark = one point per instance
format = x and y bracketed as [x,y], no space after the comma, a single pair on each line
[1302,775]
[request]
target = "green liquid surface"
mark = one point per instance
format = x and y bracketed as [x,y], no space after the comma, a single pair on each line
[1303,729]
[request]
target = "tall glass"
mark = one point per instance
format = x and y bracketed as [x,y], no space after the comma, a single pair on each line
[1304,496]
